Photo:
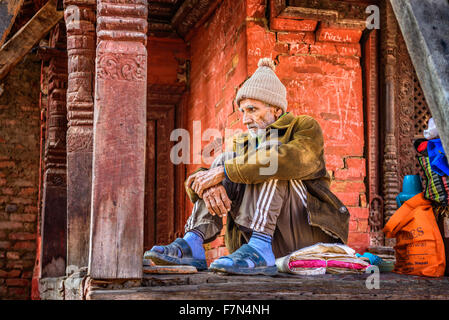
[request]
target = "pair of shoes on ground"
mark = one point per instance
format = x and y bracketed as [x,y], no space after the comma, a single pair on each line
[240,258]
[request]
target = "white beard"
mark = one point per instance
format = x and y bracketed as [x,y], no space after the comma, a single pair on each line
[256,133]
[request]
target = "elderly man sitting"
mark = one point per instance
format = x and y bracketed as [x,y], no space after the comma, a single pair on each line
[271,212]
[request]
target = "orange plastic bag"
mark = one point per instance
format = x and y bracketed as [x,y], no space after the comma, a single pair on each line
[419,246]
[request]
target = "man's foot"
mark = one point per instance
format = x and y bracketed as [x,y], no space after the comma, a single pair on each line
[256,257]
[186,251]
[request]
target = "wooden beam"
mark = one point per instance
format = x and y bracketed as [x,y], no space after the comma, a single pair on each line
[188,14]
[8,13]
[23,41]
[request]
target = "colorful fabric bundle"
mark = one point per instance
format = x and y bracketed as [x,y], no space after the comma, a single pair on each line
[436,185]
[322,258]
[325,263]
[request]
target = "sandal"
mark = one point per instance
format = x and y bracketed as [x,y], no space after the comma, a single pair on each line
[241,266]
[170,255]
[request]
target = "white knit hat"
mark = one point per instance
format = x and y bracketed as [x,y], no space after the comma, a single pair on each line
[265,86]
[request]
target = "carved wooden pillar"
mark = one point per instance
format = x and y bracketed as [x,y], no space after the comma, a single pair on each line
[118,181]
[390,162]
[54,208]
[376,222]
[80,23]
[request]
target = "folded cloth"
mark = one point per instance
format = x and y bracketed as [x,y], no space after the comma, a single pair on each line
[325,263]
[322,258]
[437,157]
[307,264]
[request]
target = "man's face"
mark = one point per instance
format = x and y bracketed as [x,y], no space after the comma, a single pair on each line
[258,115]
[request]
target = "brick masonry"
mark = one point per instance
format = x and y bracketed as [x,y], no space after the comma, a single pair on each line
[19,169]
[322,71]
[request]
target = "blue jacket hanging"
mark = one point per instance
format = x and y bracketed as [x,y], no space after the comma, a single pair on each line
[437,157]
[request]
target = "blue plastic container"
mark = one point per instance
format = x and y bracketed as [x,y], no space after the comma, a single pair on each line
[411,186]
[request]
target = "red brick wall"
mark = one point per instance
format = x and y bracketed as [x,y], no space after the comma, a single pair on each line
[218,55]
[19,168]
[322,72]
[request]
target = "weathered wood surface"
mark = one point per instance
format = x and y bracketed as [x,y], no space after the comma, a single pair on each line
[169,269]
[164,189]
[51,288]
[207,285]
[28,36]
[118,181]
[8,12]
[160,198]
[54,212]
[80,22]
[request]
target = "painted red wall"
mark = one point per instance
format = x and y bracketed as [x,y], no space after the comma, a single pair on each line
[165,56]
[322,72]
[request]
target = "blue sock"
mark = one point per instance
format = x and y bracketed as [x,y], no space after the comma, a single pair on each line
[195,241]
[262,243]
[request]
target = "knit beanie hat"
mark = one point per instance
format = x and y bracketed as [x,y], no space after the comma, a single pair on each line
[265,86]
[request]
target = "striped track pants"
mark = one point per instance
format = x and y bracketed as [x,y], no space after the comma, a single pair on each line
[275,207]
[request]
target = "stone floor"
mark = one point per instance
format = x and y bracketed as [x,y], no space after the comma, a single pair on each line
[213,286]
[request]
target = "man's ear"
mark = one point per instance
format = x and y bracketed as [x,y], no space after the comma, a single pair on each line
[278,112]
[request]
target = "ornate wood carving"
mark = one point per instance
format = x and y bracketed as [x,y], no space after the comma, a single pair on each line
[405,111]
[54,220]
[372,115]
[120,66]
[118,182]
[388,60]
[80,23]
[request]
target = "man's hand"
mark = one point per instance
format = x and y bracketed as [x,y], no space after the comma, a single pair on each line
[217,200]
[203,180]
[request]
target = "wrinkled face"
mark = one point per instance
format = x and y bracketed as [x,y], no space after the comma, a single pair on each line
[258,115]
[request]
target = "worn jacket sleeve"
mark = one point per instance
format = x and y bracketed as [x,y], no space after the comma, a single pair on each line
[299,158]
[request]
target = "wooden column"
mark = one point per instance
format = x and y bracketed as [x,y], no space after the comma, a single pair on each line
[54,208]
[391,186]
[118,181]
[376,222]
[80,23]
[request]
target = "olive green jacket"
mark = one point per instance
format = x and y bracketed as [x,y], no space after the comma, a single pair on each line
[300,155]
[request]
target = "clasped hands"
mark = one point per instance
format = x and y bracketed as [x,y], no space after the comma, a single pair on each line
[207,185]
